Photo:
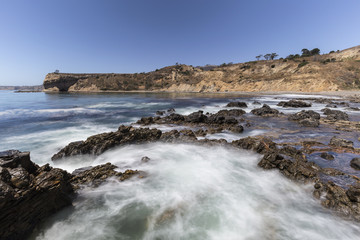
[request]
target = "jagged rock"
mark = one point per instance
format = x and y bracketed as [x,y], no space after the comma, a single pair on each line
[294,104]
[309,122]
[265,110]
[354,193]
[29,193]
[256,103]
[258,145]
[339,142]
[146,121]
[355,163]
[99,143]
[200,133]
[237,104]
[304,115]
[171,110]
[335,115]
[196,117]
[327,156]
[236,129]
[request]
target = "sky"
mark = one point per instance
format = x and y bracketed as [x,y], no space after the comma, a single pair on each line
[128,36]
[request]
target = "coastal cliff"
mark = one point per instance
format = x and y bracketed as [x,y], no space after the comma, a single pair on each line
[329,72]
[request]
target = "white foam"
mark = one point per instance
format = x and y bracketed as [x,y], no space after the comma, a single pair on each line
[194,192]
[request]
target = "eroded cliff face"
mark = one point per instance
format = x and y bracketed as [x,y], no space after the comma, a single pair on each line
[330,72]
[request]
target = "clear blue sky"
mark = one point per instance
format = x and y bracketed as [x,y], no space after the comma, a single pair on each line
[128,36]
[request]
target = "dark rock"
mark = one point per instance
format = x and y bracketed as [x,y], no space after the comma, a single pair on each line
[196,117]
[261,145]
[339,142]
[174,117]
[265,110]
[146,121]
[354,108]
[294,104]
[171,110]
[354,193]
[304,115]
[200,133]
[29,194]
[160,113]
[335,115]
[145,159]
[256,103]
[99,143]
[236,129]
[237,104]
[327,156]
[355,163]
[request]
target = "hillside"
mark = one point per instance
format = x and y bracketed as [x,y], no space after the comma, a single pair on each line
[329,72]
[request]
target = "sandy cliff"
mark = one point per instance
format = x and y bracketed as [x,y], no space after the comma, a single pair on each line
[329,72]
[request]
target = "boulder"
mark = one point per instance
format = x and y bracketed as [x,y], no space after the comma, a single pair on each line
[265,110]
[196,117]
[294,104]
[237,104]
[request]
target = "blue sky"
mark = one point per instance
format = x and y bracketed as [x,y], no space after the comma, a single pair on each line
[129,36]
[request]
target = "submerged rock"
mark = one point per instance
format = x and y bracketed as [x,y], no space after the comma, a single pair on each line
[265,110]
[327,156]
[294,104]
[29,193]
[237,104]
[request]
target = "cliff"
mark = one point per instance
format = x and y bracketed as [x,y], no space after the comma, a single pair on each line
[328,72]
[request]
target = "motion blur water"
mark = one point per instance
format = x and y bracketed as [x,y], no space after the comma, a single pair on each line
[191,192]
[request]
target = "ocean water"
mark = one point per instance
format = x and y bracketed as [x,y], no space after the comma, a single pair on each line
[190,192]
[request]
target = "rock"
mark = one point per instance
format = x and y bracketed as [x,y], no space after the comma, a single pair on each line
[355,163]
[196,117]
[145,159]
[171,110]
[200,133]
[327,156]
[146,121]
[236,129]
[304,115]
[339,142]
[160,113]
[256,103]
[354,193]
[331,105]
[294,104]
[29,193]
[174,117]
[309,122]
[335,115]
[265,110]
[237,104]
[99,143]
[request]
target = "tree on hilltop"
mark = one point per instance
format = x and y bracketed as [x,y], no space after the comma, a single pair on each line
[273,56]
[258,57]
[267,56]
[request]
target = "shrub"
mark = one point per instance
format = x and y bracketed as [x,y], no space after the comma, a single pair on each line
[302,64]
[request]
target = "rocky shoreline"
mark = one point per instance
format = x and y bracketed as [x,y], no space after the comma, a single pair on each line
[31,193]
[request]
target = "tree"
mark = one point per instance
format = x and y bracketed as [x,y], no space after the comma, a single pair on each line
[258,57]
[305,52]
[273,56]
[315,51]
[267,56]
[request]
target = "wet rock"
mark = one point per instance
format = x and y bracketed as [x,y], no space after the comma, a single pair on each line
[145,159]
[331,105]
[99,143]
[171,110]
[294,104]
[237,104]
[256,103]
[309,122]
[354,193]
[327,156]
[200,133]
[29,193]
[259,145]
[146,121]
[339,142]
[335,115]
[236,129]
[160,113]
[174,117]
[265,110]
[196,117]
[354,108]
[355,163]
[304,115]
